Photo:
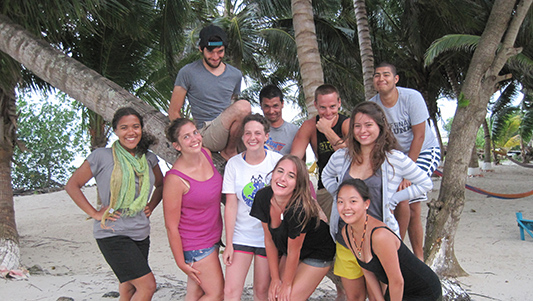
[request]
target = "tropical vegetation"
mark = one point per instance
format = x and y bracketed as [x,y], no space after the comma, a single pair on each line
[141,44]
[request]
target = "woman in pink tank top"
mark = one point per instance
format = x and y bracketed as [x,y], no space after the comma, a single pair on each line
[191,203]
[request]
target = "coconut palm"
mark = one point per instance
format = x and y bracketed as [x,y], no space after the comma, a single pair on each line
[501,30]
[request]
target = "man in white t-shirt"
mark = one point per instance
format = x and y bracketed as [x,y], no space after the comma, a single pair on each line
[281,132]
[408,115]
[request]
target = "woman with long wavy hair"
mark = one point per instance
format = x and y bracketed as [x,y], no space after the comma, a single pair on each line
[294,230]
[370,155]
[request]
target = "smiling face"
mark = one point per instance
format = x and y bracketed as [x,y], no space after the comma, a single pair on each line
[365,129]
[254,136]
[129,132]
[385,80]
[189,139]
[328,105]
[284,179]
[272,110]
[351,206]
[213,58]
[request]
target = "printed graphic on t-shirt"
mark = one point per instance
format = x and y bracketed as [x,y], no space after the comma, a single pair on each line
[325,147]
[400,127]
[274,145]
[249,190]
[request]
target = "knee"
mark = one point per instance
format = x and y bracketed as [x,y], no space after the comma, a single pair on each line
[261,291]
[356,296]
[232,293]
[243,107]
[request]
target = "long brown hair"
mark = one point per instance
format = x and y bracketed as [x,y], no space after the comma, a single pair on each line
[301,197]
[385,142]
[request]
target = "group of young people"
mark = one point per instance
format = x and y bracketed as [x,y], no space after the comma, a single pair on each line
[272,215]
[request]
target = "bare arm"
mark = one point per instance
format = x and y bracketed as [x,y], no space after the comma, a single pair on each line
[73,187]
[419,132]
[302,139]
[373,285]
[273,264]
[385,245]
[157,194]
[294,247]
[230,216]
[325,127]
[176,102]
[172,197]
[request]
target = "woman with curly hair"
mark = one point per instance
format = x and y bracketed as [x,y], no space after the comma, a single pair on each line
[125,175]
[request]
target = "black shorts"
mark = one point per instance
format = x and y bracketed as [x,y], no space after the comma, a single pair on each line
[127,258]
[250,250]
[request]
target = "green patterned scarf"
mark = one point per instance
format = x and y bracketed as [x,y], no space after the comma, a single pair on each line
[126,168]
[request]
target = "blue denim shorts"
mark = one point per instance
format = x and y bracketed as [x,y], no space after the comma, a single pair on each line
[197,255]
[317,263]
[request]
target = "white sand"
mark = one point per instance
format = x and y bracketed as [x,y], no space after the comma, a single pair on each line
[55,235]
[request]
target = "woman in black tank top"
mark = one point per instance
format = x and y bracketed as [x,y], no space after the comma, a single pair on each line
[382,255]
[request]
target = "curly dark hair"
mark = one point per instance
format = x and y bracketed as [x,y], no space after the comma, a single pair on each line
[147,140]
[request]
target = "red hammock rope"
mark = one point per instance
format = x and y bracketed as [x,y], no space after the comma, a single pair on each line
[505,196]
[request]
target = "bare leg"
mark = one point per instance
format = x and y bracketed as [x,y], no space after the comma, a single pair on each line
[402,214]
[355,289]
[261,278]
[232,119]
[126,291]
[142,288]
[211,278]
[236,275]
[416,231]
[306,280]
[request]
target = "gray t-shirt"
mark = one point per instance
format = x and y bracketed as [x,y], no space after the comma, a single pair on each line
[208,94]
[136,227]
[280,139]
[409,110]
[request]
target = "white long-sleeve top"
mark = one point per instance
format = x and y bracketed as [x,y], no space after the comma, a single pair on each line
[396,168]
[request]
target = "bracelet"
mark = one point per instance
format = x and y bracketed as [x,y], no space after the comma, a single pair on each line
[340,141]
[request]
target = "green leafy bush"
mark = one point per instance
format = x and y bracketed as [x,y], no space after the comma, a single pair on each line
[52,136]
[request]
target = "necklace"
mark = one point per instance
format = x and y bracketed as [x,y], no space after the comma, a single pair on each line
[277,205]
[360,249]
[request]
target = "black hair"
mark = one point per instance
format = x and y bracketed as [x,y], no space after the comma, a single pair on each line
[359,185]
[146,139]
[386,64]
[270,91]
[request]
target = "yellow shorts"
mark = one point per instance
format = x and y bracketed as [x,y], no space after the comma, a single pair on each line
[346,264]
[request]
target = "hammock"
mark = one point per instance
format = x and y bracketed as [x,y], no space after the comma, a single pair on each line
[505,196]
[514,161]
[520,163]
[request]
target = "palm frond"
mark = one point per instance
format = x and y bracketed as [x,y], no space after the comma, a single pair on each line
[452,42]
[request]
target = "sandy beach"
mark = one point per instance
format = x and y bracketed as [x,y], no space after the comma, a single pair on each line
[57,247]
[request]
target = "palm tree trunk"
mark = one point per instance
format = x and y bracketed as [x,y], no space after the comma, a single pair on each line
[482,76]
[487,160]
[9,239]
[307,49]
[83,84]
[365,47]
